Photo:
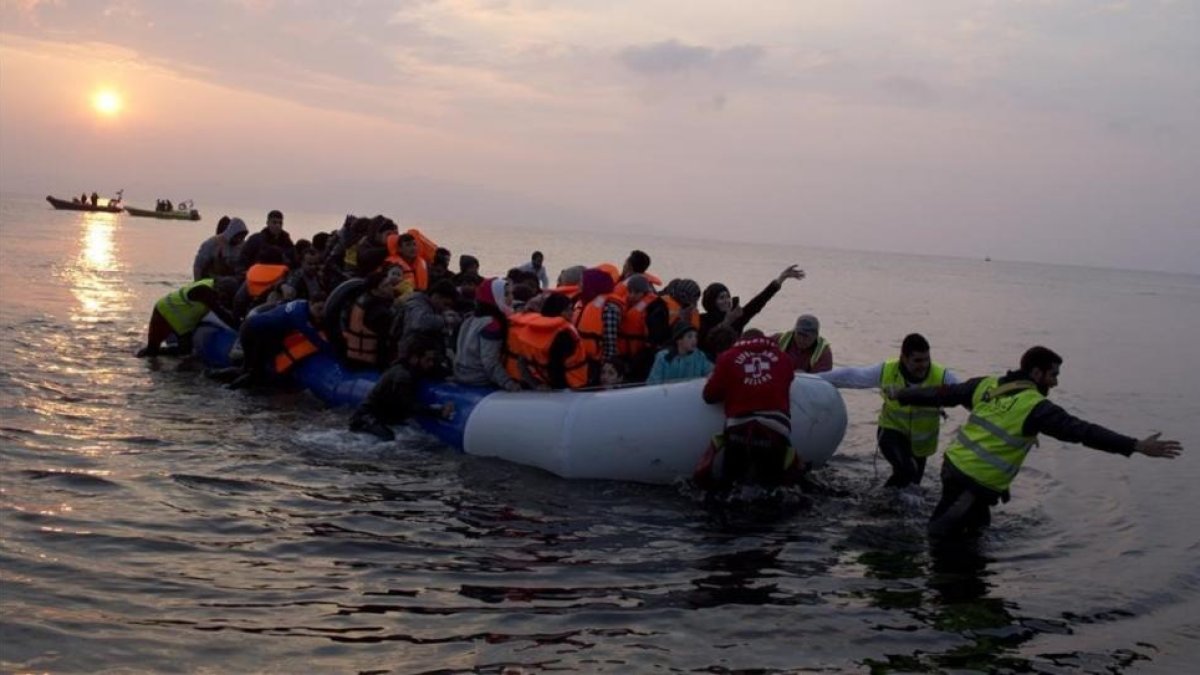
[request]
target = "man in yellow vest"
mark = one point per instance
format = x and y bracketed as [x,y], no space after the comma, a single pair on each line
[1007,414]
[907,436]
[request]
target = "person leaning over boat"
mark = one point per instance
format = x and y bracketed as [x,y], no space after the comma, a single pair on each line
[644,327]
[394,399]
[682,360]
[544,350]
[721,309]
[906,436]
[753,381]
[276,338]
[810,353]
[273,235]
[179,313]
[217,256]
[478,357]
[1007,414]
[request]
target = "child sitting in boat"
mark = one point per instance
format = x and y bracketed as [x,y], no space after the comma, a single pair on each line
[682,360]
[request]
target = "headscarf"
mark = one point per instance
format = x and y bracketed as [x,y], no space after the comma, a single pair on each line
[491,292]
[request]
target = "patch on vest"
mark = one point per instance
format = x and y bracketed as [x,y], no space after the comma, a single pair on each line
[756,366]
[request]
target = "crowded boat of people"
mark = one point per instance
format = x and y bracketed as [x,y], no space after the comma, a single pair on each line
[387,302]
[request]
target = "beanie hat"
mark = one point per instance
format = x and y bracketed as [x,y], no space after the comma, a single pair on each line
[681,328]
[808,324]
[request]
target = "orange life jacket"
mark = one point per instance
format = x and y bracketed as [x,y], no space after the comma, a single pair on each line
[634,337]
[426,248]
[296,347]
[622,290]
[362,343]
[590,322]
[416,272]
[527,349]
[261,277]
[673,310]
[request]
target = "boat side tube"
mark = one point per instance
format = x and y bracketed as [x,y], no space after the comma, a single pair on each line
[651,434]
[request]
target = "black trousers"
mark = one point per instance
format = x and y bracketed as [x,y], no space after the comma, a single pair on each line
[965,509]
[907,468]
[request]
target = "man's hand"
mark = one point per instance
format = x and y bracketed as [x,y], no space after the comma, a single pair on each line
[1151,446]
[448,411]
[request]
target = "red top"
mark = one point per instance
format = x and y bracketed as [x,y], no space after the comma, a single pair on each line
[751,376]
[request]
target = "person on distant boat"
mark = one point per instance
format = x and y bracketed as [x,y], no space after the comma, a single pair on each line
[752,380]
[478,359]
[394,399]
[680,361]
[907,436]
[217,257]
[275,339]
[179,312]
[537,268]
[810,353]
[272,235]
[95,199]
[83,198]
[720,308]
[1007,414]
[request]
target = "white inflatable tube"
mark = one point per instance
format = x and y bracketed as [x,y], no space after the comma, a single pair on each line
[650,434]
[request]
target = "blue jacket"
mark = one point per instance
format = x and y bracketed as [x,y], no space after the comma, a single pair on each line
[688,367]
[283,319]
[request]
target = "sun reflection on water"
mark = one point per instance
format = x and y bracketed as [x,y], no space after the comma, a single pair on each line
[95,275]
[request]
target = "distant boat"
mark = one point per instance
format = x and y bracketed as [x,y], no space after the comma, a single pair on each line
[113,206]
[185,213]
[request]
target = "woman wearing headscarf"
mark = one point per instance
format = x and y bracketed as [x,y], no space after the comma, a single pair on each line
[721,309]
[477,358]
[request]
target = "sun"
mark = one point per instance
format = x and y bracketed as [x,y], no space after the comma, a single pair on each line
[107,102]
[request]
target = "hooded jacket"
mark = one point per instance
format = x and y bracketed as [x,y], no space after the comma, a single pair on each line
[217,256]
[477,358]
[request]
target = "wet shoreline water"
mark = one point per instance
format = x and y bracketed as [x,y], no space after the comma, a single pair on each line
[155,522]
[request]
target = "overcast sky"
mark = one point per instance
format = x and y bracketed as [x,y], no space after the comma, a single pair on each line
[1060,131]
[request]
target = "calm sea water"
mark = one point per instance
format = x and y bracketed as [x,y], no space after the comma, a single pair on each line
[152,521]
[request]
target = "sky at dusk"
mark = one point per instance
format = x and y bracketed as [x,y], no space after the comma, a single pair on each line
[1057,131]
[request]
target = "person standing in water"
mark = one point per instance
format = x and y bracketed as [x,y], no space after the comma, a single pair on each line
[1007,414]
[907,436]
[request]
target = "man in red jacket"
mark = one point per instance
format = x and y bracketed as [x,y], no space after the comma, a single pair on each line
[753,379]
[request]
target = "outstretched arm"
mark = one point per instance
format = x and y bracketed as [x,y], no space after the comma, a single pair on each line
[850,377]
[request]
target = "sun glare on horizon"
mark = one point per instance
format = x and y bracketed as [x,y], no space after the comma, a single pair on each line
[107,102]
